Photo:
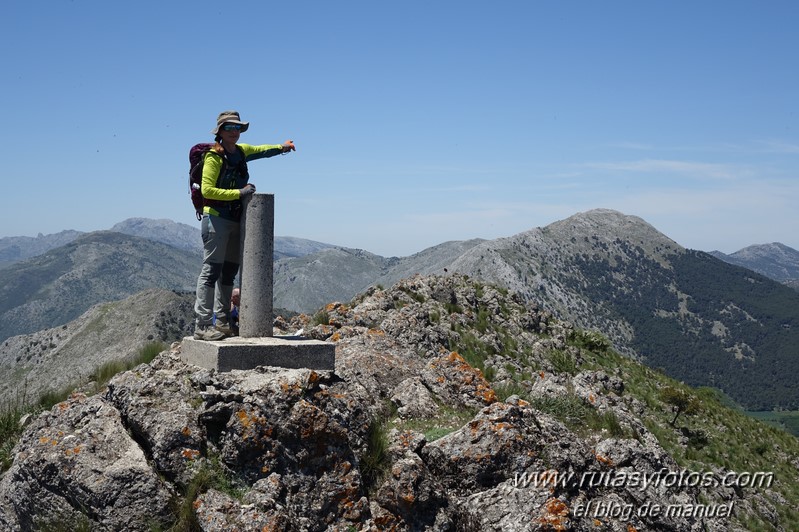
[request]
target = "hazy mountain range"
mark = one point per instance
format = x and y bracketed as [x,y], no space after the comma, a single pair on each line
[16,248]
[186,237]
[699,318]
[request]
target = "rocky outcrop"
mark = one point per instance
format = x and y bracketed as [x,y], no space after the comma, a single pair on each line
[172,445]
[78,463]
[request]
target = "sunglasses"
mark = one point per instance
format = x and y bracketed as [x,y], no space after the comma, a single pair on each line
[232,127]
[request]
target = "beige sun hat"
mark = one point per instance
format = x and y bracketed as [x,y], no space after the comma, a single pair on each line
[229,117]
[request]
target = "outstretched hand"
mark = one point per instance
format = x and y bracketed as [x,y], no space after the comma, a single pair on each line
[288,146]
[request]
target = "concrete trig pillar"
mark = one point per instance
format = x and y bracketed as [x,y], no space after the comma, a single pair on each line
[257,265]
[256,346]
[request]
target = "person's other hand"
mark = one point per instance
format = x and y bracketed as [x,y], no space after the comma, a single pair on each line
[248,189]
[288,146]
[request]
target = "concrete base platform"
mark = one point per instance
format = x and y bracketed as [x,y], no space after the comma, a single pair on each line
[248,353]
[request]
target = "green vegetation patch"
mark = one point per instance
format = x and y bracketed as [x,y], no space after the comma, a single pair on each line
[785,420]
[375,461]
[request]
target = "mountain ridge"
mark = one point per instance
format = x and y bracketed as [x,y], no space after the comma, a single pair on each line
[14,249]
[615,273]
[602,270]
[60,281]
[51,289]
[17,248]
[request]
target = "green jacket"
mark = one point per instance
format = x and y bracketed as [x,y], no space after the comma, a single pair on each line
[221,192]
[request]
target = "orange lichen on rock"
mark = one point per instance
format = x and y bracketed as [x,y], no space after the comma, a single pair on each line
[73,451]
[502,425]
[555,514]
[386,522]
[244,418]
[288,387]
[487,393]
[603,459]
[474,425]
[190,454]
[455,357]
[344,468]
[253,426]
[467,375]
[406,438]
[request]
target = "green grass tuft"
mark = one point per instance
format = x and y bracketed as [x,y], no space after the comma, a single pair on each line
[375,461]
[563,362]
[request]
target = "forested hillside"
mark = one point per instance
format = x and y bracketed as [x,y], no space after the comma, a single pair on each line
[706,323]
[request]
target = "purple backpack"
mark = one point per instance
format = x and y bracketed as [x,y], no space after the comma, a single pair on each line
[196,156]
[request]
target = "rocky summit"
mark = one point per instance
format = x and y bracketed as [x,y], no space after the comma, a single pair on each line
[454,406]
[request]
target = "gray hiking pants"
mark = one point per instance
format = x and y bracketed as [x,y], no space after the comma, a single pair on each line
[221,255]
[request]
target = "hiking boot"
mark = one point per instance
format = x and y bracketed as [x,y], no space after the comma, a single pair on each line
[223,327]
[208,332]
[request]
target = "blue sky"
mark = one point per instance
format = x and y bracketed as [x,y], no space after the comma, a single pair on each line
[415,122]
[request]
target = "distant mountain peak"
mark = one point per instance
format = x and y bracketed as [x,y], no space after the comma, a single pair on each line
[608,222]
[774,260]
[772,248]
[607,229]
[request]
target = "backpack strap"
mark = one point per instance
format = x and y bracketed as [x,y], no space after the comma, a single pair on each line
[233,206]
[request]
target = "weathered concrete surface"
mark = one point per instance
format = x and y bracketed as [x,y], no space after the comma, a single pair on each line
[248,353]
[257,265]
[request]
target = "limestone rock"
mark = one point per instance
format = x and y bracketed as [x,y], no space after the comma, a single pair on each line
[413,399]
[78,462]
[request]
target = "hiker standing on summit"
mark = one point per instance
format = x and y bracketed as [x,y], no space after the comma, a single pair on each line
[225,181]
